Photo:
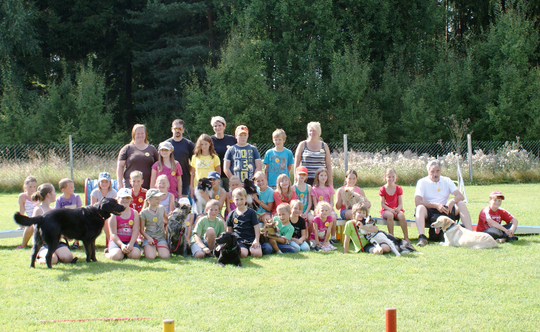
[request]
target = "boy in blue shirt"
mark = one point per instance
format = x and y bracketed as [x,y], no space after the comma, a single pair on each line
[278,160]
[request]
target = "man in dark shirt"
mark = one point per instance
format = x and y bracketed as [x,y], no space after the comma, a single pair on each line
[183,150]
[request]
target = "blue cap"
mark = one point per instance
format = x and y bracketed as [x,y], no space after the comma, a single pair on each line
[213,175]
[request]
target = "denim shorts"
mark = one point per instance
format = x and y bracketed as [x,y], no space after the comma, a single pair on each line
[162,243]
[195,247]
[113,245]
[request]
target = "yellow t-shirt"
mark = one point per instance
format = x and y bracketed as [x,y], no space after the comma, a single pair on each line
[203,165]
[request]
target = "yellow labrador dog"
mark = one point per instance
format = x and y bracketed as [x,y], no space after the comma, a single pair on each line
[457,236]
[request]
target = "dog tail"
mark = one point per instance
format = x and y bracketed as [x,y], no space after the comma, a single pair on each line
[27,221]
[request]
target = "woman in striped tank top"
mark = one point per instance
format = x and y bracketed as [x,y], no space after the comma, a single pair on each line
[313,153]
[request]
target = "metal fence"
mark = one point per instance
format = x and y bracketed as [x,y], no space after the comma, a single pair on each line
[24,152]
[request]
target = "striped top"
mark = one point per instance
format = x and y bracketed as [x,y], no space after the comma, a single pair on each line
[29,206]
[313,160]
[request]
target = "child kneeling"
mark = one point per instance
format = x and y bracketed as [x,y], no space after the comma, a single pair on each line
[353,230]
[153,223]
[206,230]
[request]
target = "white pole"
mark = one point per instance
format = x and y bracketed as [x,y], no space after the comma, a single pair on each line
[346,151]
[71,156]
[469,157]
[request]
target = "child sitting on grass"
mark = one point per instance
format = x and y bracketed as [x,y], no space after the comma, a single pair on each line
[153,225]
[234,182]
[322,226]
[124,230]
[68,200]
[299,236]
[207,229]
[490,218]
[353,231]
[45,195]
[284,192]
[243,222]
[286,231]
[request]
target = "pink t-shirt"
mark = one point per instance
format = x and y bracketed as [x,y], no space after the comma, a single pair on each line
[497,216]
[322,227]
[391,200]
[124,227]
[322,194]
[173,178]
[278,200]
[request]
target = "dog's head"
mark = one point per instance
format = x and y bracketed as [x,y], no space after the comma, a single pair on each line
[351,197]
[205,184]
[226,241]
[108,206]
[250,187]
[271,228]
[443,222]
[180,213]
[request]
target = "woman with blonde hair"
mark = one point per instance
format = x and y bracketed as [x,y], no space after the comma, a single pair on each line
[313,154]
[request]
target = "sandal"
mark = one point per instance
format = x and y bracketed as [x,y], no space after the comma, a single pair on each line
[75,245]
[19,247]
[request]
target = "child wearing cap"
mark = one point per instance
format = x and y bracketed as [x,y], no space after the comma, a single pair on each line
[303,191]
[242,159]
[153,224]
[490,218]
[203,161]
[278,160]
[104,188]
[166,165]
[124,230]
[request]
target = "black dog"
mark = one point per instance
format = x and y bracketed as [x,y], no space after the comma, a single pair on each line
[177,229]
[251,189]
[83,224]
[228,250]
[204,185]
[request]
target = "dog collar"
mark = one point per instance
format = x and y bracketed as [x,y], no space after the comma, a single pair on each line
[449,228]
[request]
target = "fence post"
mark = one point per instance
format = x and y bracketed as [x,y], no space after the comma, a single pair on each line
[469,157]
[346,151]
[71,156]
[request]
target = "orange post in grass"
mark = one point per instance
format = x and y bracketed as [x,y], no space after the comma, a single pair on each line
[168,325]
[390,319]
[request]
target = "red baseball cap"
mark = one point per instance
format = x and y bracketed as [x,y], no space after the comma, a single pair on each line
[301,170]
[497,194]
[241,129]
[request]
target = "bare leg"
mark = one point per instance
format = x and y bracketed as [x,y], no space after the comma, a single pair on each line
[403,224]
[420,218]
[464,215]
[389,221]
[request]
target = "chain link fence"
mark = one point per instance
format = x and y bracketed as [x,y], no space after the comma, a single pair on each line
[25,152]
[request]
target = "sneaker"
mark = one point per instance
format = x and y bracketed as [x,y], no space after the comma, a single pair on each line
[422,240]
[513,238]
[333,241]
[75,245]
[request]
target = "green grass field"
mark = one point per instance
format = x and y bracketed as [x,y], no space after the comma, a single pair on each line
[434,289]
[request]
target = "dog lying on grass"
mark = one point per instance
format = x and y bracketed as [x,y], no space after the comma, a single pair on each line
[380,237]
[83,224]
[457,236]
[177,229]
[227,250]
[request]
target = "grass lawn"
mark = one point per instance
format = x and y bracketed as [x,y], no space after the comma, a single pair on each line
[434,289]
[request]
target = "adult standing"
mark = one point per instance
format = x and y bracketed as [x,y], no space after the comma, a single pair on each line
[183,150]
[431,200]
[138,155]
[313,154]
[222,142]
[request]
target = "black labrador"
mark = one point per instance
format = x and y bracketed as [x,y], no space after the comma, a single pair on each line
[83,223]
[228,250]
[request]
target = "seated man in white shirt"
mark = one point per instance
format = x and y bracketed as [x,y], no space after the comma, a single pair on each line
[431,200]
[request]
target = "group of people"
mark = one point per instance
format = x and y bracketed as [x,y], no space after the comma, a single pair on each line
[151,180]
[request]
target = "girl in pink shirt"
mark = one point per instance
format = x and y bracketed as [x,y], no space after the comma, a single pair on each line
[392,203]
[124,230]
[322,191]
[284,192]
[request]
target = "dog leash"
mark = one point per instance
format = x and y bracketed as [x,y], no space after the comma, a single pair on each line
[359,239]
